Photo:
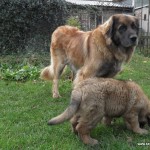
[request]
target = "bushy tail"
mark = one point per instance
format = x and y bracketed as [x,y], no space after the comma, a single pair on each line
[70,111]
[47,73]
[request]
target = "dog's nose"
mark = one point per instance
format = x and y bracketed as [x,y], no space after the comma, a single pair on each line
[133,38]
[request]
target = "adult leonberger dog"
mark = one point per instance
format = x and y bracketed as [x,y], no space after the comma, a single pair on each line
[99,52]
[95,98]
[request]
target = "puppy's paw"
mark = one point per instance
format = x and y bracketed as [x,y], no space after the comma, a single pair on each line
[91,142]
[141,131]
[94,142]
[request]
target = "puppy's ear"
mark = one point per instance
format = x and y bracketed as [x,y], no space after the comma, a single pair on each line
[148,119]
[142,124]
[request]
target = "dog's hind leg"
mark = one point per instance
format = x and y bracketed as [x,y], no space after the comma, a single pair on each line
[58,68]
[58,63]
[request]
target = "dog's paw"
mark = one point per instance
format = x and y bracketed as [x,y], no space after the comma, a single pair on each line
[56,95]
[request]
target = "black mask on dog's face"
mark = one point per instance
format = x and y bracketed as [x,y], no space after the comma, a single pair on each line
[124,30]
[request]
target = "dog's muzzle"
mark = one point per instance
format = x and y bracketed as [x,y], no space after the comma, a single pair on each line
[133,39]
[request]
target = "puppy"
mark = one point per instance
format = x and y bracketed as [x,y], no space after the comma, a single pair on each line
[95,98]
[96,53]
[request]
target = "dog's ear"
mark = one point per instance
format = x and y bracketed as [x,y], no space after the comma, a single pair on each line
[109,29]
[110,26]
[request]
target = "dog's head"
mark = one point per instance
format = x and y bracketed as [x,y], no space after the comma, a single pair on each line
[122,30]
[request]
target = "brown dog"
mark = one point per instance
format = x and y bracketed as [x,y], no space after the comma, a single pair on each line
[97,53]
[95,98]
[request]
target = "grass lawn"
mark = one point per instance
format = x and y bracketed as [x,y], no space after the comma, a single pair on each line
[26,107]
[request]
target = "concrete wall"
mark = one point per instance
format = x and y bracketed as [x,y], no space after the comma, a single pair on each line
[143,14]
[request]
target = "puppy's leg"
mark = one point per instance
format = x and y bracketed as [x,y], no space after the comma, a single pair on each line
[87,123]
[133,124]
[84,133]
[107,120]
[74,122]
[127,124]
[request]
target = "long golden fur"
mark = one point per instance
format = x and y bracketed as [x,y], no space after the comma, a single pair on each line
[99,52]
[95,98]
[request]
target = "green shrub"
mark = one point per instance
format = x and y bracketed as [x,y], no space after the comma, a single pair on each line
[73,21]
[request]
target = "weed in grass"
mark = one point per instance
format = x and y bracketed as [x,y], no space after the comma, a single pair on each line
[21,72]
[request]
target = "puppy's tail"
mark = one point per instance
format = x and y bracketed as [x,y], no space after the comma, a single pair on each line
[70,111]
[47,73]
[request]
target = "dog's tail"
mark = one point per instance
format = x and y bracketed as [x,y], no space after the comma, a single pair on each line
[70,111]
[47,73]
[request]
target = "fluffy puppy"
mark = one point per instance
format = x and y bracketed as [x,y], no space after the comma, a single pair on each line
[95,98]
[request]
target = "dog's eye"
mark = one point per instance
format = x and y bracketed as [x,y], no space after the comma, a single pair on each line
[122,28]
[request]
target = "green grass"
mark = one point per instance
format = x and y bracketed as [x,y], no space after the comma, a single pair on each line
[138,70]
[26,107]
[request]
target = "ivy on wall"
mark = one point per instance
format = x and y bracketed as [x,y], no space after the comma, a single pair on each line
[21,20]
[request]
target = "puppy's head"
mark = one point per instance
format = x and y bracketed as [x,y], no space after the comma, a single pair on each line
[145,121]
[148,114]
[122,30]
[148,119]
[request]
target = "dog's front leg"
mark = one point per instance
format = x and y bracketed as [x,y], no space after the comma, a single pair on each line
[84,73]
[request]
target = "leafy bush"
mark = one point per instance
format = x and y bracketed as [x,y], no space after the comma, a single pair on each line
[73,21]
[21,72]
